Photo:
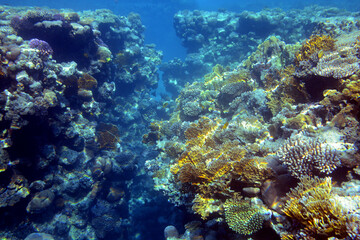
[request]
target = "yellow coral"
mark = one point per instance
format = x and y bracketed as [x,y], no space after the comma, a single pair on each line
[87,82]
[205,206]
[288,92]
[242,216]
[313,205]
[317,44]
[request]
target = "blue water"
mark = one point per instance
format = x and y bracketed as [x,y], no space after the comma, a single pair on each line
[157,15]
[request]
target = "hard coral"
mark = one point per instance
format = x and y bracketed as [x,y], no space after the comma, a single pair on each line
[43,48]
[107,136]
[14,191]
[206,206]
[86,81]
[308,157]
[243,217]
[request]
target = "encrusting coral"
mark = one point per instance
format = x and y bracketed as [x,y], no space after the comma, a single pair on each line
[108,136]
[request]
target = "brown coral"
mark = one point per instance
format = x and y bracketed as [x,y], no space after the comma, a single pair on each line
[86,81]
[108,136]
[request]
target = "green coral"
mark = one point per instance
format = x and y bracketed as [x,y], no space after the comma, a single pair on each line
[242,217]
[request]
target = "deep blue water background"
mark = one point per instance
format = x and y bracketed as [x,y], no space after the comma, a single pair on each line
[157,15]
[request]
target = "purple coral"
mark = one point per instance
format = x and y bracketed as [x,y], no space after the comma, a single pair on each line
[43,47]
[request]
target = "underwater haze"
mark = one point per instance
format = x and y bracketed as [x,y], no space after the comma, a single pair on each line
[179,120]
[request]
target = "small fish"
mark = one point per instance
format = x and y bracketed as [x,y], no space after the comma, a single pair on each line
[13,163]
[225,125]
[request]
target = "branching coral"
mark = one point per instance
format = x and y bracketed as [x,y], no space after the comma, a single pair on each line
[308,157]
[243,217]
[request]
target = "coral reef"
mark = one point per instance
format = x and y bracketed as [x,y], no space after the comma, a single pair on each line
[240,139]
[264,144]
[71,115]
[321,212]
[227,38]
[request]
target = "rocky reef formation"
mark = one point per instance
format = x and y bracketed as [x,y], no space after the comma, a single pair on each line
[74,94]
[267,149]
[226,38]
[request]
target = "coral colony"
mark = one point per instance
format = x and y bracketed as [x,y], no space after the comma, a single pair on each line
[261,143]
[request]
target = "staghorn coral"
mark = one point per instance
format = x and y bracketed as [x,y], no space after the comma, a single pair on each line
[308,157]
[242,216]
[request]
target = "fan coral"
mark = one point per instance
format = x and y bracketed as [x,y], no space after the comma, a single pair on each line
[306,157]
[243,217]
[43,47]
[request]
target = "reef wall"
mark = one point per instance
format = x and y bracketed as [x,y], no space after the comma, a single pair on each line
[75,92]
